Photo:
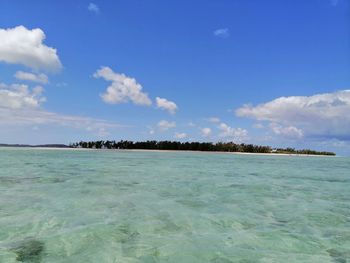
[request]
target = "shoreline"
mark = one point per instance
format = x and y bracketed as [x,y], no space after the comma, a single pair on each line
[218,152]
[167,151]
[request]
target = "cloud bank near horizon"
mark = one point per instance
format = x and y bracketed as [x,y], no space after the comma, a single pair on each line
[320,115]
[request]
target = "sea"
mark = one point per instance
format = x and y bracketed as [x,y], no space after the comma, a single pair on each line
[71,205]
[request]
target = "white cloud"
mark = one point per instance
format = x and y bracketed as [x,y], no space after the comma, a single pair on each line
[123,89]
[214,120]
[20,45]
[236,134]
[318,115]
[191,124]
[22,106]
[93,8]
[288,132]
[164,125]
[39,116]
[38,90]
[165,104]
[40,78]
[258,126]
[19,96]
[103,132]
[222,32]
[181,135]
[206,132]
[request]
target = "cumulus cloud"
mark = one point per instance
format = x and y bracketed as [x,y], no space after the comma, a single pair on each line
[222,32]
[20,45]
[318,115]
[167,105]
[288,132]
[180,135]
[20,96]
[206,132]
[93,8]
[236,134]
[164,125]
[214,120]
[122,89]
[39,78]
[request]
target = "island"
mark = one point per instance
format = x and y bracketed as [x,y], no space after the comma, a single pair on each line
[194,146]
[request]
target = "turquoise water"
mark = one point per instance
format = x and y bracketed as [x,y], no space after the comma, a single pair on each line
[108,206]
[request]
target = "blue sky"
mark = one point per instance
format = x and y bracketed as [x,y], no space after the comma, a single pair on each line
[266,72]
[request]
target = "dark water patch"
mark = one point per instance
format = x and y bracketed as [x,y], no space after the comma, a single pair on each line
[53,180]
[320,179]
[89,170]
[9,180]
[236,186]
[337,256]
[17,180]
[280,222]
[97,182]
[168,194]
[127,234]
[126,184]
[192,203]
[70,173]
[220,259]
[29,251]
[167,224]
[57,180]
[129,238]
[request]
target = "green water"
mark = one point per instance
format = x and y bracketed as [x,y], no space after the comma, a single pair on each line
[108,206]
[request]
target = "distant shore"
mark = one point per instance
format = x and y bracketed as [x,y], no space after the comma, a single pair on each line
[230,147]
[218,152]
[162,151]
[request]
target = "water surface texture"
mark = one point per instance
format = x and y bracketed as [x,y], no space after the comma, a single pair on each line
[110,206]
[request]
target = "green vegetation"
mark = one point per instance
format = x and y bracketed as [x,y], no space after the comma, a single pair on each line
[304,151]
[191,146]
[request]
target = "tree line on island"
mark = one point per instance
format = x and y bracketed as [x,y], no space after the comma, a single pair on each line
[192,146]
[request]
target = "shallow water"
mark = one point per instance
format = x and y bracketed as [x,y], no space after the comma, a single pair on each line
[108,206]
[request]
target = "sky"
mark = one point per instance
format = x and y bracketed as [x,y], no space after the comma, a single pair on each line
[264,72]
